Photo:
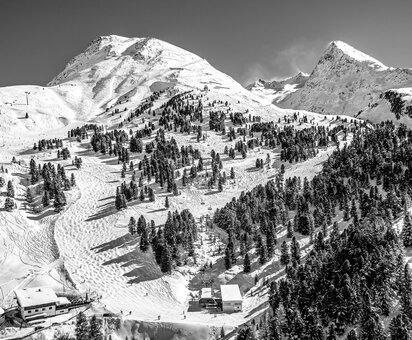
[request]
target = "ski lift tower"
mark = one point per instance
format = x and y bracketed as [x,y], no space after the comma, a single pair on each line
[27,97]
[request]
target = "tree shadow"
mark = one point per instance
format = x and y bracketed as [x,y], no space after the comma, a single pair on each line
[122,241]
[157,210]
[252,169]
[211,193]
[46,213]
[145,266]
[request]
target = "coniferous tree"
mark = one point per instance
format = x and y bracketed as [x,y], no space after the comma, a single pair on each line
[399,328]
[144,240]
[407,231]
[331,332]
[352,335]
[245,333]
[120,201]
[59,199]
[261,250]
[289,233]
[295,250]
[371,327]
[284,254]
[82,327]
[46,199]
[166,261]
[228,258]
[246,264]
[29,196]
[167,202]
[95,328]
[10,189]
[132,226]
[72,180]
[9,204]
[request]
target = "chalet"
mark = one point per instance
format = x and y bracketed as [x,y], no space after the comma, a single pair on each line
[40,302]
[231,298]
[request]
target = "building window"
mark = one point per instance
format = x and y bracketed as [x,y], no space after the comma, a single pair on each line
[43,309]
[29,311]
[36,310]
[50,307]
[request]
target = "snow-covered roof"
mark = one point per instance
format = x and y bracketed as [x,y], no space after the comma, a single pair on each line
[230,293]
[206,293]
[1,311]
[36,296]
[358,55]
[63,301]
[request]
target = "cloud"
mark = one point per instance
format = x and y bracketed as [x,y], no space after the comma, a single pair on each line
[275,65]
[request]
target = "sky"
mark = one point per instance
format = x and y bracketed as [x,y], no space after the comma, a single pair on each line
[267,39]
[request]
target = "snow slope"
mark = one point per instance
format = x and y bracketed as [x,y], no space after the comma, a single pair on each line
[346,81]
[394,104]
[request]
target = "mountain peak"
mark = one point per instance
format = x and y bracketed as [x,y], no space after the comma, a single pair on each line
[355,54]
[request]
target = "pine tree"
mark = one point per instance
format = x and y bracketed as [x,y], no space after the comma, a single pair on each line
[407,231]
[10,189]
[232,173]
[95,329]
[352,335]
[246,264]
[295,250]
[261,250]
[166,261]
[284,254]
[245,333]
[59,199]
[9,204]
[120,201]
[29,196]
[141,225]
[141,196]
[144,240]
[371,327]
[46,199]
[132,225]
[167,202]
[331,332]
[72,180]
[399,328]
[82,327]
[228,259]
[220,184]
[289,233]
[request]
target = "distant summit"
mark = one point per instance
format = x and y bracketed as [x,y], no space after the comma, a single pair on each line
[346,81]
[278,90]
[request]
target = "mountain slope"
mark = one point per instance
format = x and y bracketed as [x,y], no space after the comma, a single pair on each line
[112,69]
[346,81]
[278,90]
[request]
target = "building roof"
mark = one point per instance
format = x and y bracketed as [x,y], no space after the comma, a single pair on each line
[206,293]
[35,296]
[230,293]
[1,311]
[63,301]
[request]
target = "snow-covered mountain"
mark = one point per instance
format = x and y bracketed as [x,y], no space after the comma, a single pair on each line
[346,81]
[278,90]
[112,69]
